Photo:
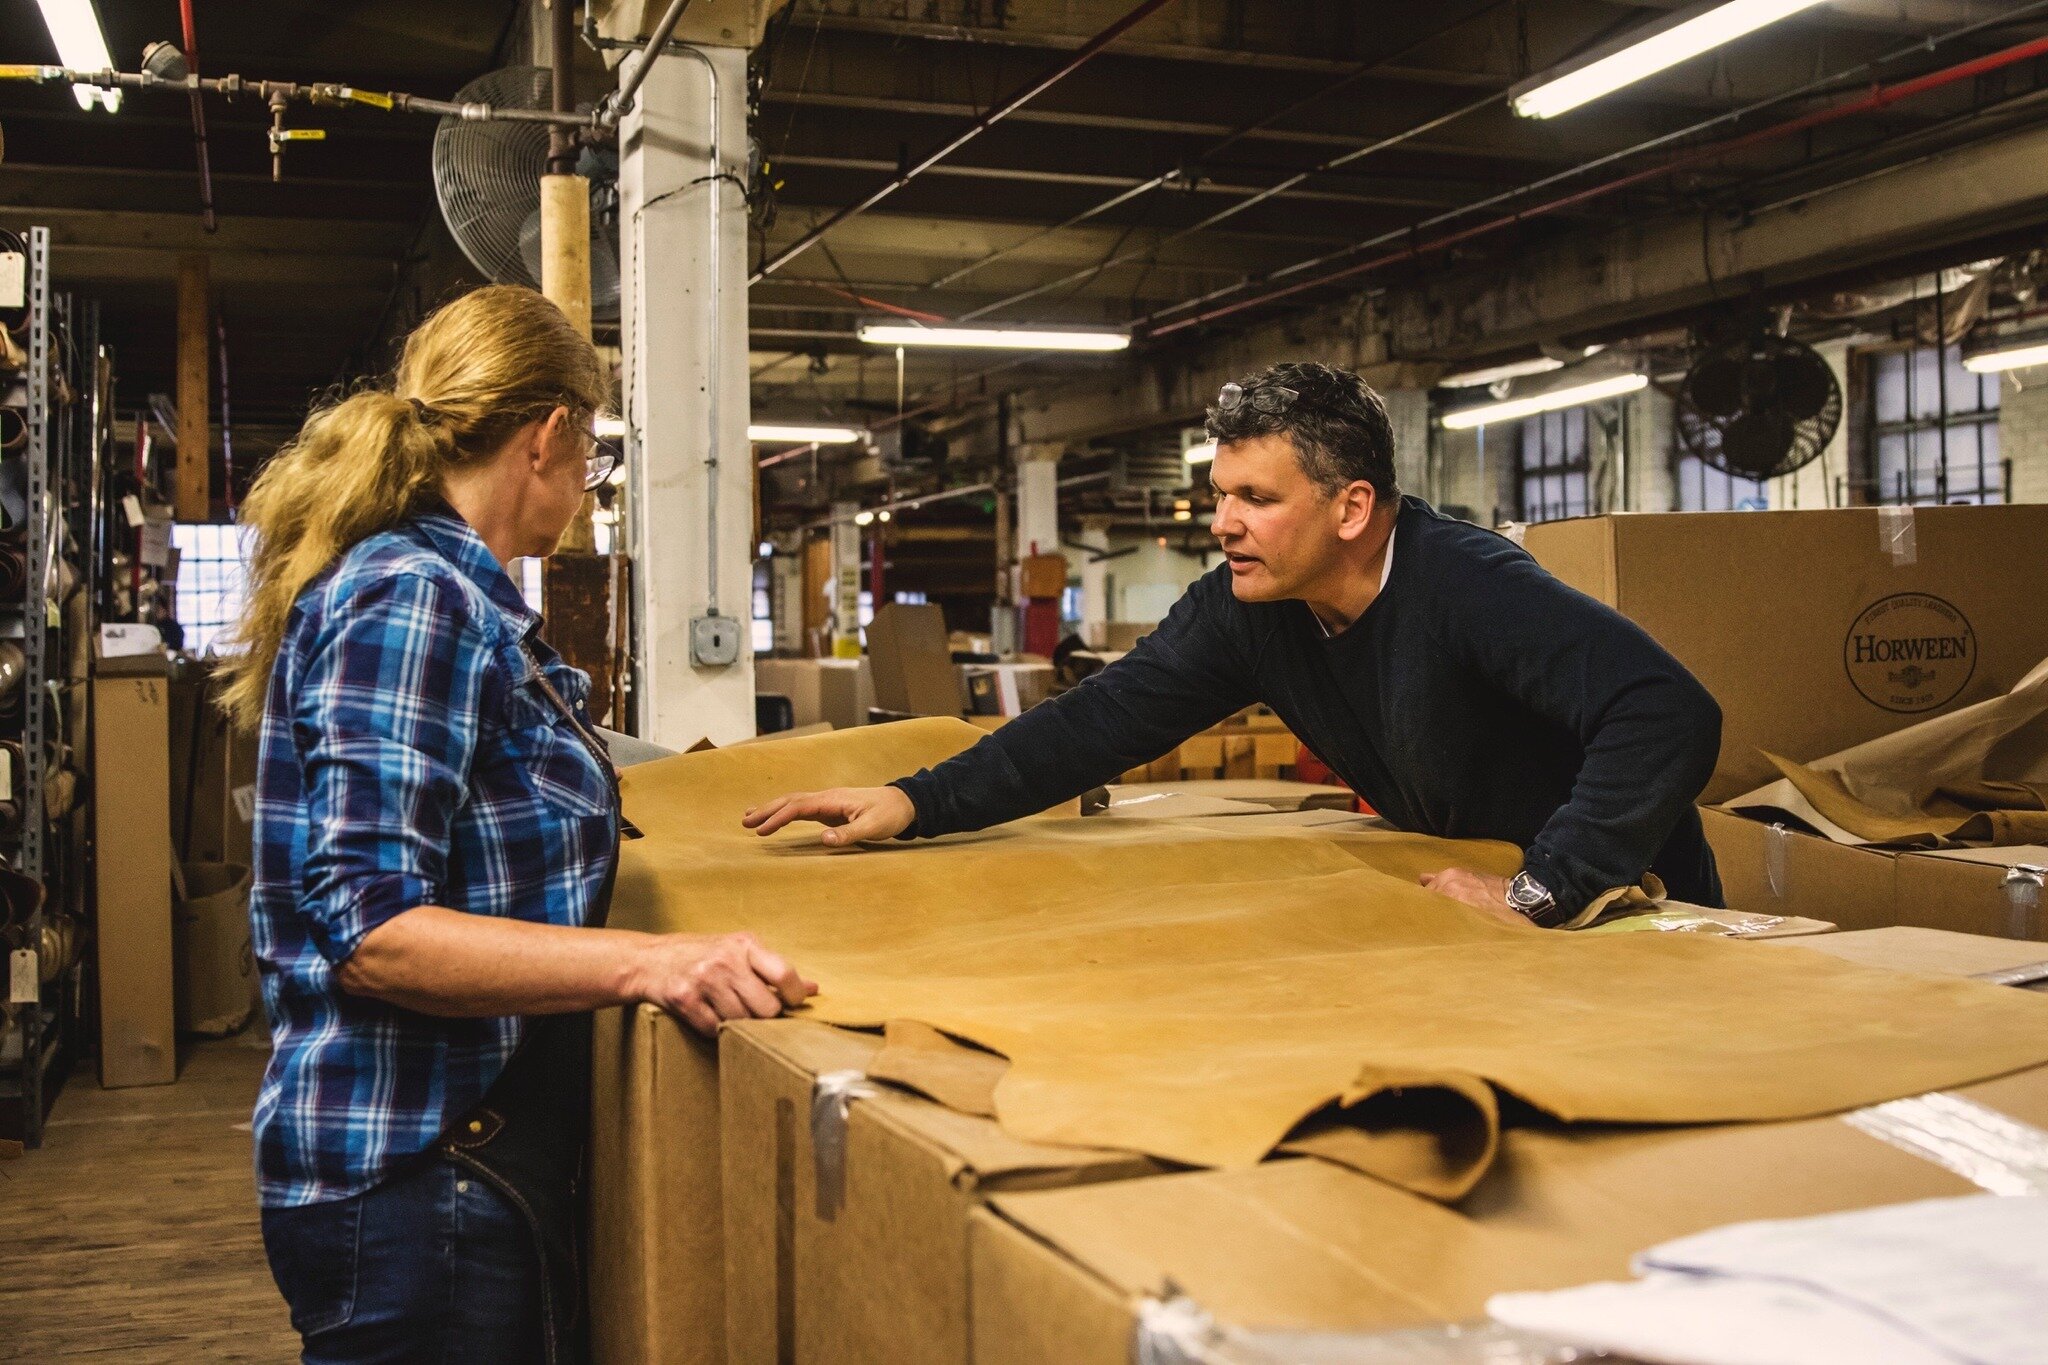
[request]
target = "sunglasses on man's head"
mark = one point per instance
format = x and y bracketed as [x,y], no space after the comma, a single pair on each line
[1271,399]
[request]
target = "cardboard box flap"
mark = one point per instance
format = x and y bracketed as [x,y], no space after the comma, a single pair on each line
[979,1155]
[975,1151]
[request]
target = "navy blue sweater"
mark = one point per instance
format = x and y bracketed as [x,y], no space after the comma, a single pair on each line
[1477,698]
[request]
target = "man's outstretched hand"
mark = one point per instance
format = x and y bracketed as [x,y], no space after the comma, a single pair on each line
[854,814]
[1488,895]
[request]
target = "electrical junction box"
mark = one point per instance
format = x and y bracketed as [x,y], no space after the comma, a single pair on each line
[714,641]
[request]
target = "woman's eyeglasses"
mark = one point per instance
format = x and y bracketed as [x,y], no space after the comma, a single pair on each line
[604,459]
[1271,399]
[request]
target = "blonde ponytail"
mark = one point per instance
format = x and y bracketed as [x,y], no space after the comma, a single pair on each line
[471,376]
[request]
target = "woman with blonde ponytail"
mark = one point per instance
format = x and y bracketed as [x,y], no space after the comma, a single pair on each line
[437,827]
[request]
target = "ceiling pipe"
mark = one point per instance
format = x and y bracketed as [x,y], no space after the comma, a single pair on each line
[206,215]
[1017,100]
[1879,98]
[621,101]
[1214,149]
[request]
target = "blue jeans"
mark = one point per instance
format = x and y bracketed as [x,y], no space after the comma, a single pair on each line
[433,1265]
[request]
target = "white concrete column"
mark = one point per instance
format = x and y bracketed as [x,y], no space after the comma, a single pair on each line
[1038,501]
[846,580]
[690,471]
[1094,581]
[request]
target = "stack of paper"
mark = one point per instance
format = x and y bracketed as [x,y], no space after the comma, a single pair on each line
[1931,1283]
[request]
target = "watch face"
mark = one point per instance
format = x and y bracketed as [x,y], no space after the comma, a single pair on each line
[1532,899]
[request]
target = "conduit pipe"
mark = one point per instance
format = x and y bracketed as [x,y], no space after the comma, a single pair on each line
[1017,100]
[1877,99]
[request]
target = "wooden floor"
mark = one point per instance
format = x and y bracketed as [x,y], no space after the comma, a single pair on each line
[132,1234]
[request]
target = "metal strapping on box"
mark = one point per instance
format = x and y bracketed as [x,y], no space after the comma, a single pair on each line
[831,1095]
[1776,838]
[2023,882]
[1992,1151]
[1176,1331]
[2026,974]
[1895,535]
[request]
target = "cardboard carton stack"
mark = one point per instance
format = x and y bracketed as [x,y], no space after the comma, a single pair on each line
[1818,631]
[784,1197]
[1254,744]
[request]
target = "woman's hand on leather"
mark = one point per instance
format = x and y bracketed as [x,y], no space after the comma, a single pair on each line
[705,979]
[853,814]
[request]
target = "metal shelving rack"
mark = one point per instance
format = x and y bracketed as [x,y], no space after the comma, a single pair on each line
[53,857]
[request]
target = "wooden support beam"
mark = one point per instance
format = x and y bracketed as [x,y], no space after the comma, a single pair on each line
[193,499]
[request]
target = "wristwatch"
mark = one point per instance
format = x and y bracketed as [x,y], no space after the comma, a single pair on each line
[1532,900]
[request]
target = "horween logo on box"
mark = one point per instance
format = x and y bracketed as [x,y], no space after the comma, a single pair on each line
[1910,652]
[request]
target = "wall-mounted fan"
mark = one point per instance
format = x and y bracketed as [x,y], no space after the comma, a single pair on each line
[487,179]
[1757,404]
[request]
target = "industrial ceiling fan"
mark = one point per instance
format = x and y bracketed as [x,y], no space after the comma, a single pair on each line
[1755,404]
[487,181]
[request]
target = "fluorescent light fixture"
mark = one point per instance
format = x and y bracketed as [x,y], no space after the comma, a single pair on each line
[75,29]
[1550,96]
[2008,353]
[1183,516]
[991,338]
[1578,395]
[1493,374]
[883,515]
[1201,454]
[863,518]
[609,428]
[823,436]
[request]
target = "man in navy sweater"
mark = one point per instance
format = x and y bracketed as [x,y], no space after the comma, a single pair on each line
[1450,681]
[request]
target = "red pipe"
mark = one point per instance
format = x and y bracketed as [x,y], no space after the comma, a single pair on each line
[1879,98]
[1085,53]
[206,217]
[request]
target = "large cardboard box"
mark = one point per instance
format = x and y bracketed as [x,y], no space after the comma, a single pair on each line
[1821,629]
[879,1272]
[132,814]
[1300,1244]
[213,776]
[1306,1245]
[913,662]
[657,1262]
[835,692]
[1777,870]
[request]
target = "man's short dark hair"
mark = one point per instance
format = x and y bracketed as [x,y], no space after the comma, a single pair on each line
[1339,426]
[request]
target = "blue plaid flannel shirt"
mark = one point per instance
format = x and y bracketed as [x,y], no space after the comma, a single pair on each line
[408,756]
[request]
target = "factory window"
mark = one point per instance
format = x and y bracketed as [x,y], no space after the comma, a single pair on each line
[1934,429]
[211,574]
[1703,488]
[1554,459]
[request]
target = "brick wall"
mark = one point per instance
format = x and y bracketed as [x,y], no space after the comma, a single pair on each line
[2023,432]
